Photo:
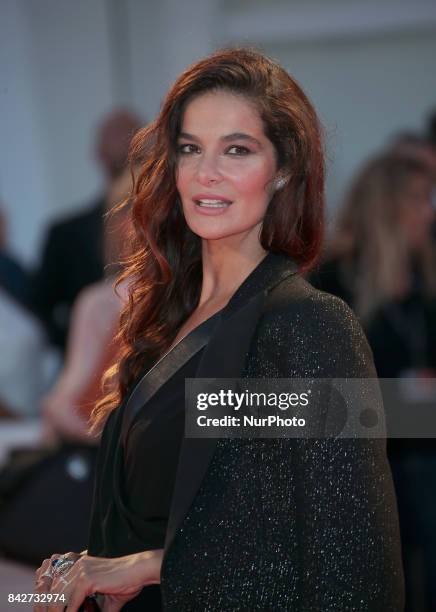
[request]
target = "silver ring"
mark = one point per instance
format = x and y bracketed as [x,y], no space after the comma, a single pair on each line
[62,566]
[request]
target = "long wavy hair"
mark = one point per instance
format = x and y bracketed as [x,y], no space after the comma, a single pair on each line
[164,270]
[376,260]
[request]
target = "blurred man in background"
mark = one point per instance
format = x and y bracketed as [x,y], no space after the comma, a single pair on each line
[72,252]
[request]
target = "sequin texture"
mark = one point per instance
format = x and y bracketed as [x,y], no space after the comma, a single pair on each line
[304,525]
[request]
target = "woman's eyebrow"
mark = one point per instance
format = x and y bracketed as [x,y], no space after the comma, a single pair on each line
[188,136]
[241,136]
[227,138]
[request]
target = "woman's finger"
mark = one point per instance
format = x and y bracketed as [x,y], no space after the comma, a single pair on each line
[60,593]
[68,583]
[76,599]
[42,569]
[80,583]
[43,580]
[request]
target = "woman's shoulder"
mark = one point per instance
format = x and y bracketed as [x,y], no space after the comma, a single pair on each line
[297,294]
[318,324]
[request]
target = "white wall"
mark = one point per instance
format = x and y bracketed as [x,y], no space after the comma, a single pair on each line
[368,66]
[56,82]
[365,90]
[24,172]
[166,37]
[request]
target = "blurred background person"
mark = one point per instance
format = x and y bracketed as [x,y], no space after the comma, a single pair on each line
[422,148]
[72,252]
[381,251]
[91,346]
[416,146]
[56,484]
[381,260]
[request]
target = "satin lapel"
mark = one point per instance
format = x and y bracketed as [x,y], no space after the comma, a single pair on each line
[162,371]
[224,357]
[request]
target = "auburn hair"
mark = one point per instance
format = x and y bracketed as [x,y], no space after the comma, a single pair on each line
[164,270]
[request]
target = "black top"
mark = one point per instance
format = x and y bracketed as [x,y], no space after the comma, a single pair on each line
[138,460]
[151,454]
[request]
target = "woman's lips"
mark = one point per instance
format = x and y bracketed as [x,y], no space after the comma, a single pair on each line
[211,204]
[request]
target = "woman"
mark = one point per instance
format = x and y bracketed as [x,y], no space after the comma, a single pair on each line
[228,212]
[382,250]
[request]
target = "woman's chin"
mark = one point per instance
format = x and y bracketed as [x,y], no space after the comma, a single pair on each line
[213,231]
[232,231]
[211,235]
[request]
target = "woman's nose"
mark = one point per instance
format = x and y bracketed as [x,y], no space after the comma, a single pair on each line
[208,170]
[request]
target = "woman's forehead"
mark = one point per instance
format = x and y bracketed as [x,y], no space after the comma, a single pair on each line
[221,112]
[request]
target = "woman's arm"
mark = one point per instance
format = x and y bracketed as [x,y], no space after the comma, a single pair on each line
[347,518]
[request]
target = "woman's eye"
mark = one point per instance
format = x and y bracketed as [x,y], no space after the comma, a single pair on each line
[238,150]
[185,149]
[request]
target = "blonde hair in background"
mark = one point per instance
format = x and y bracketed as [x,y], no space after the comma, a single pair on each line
[369,225]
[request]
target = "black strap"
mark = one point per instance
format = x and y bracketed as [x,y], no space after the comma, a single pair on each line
[164,368]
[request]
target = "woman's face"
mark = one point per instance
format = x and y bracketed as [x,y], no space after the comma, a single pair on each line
[417,213]
[226,166]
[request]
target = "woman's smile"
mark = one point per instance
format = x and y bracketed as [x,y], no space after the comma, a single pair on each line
[211,204]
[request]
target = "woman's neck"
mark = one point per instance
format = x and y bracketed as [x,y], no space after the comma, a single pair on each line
[225,267]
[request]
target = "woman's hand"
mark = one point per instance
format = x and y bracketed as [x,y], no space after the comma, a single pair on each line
[119,579]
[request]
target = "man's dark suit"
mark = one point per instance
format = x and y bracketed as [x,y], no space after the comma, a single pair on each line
[72,259]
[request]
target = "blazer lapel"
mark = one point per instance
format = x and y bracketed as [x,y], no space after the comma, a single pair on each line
[163,369]
[224,357]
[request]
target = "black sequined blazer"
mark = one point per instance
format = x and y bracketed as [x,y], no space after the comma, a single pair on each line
[299,525]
